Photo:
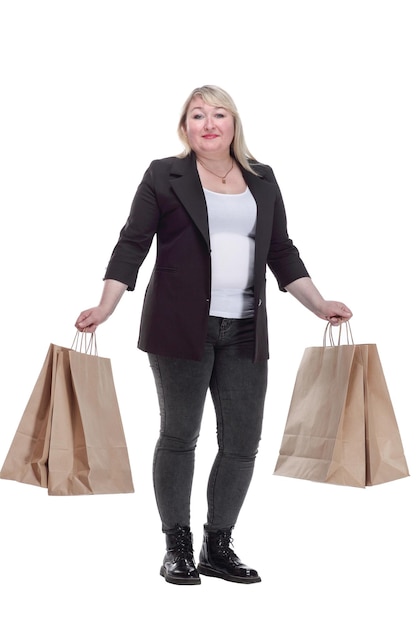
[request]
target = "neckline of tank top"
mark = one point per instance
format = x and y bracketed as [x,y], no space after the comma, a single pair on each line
[218,193]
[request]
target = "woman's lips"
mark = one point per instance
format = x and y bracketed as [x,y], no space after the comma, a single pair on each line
[210,136]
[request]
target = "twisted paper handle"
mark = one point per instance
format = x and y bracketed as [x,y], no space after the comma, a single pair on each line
[328,334]
[85,342]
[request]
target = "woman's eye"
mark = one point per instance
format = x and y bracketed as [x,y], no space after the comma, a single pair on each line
[197,116]
[219,114]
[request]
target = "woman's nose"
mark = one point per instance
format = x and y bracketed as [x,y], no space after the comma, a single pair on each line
[209,122]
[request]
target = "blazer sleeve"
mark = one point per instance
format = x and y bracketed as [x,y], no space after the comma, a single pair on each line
[136,236]
[283,257]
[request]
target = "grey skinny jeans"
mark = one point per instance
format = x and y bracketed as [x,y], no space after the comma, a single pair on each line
[238,387]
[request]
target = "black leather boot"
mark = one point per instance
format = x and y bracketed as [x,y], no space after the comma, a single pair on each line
[178,566]
[218,559]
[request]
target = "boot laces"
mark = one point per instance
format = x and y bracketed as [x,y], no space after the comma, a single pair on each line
[183,544]
[225,546]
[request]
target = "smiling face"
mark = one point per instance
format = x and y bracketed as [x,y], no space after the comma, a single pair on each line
[209,129]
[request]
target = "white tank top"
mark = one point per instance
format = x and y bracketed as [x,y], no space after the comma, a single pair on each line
[232,224]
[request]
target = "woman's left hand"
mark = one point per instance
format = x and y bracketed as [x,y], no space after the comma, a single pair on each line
[335,312]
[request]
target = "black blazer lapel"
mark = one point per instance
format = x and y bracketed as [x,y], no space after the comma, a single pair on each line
[265,195]
[187,186]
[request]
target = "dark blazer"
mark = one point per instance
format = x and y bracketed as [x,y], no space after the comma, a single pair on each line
[170,203]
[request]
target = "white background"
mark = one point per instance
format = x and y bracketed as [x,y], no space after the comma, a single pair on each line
[90,93]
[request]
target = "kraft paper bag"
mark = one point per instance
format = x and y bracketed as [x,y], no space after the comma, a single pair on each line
[70,439]
[341,426]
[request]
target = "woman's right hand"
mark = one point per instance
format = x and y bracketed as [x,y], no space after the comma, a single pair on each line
[90,319]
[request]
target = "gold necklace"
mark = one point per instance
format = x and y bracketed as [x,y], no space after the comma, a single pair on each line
[214,173]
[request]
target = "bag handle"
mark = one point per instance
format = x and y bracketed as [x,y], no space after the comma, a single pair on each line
[85,342]
[328,334]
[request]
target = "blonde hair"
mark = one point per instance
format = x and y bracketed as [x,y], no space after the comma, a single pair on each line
[215,96]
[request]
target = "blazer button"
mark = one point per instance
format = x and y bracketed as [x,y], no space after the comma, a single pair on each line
[259,302]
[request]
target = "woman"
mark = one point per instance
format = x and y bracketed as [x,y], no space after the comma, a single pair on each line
[220,221]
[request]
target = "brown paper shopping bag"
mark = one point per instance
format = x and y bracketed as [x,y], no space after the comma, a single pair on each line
[341,426]
[70,438]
